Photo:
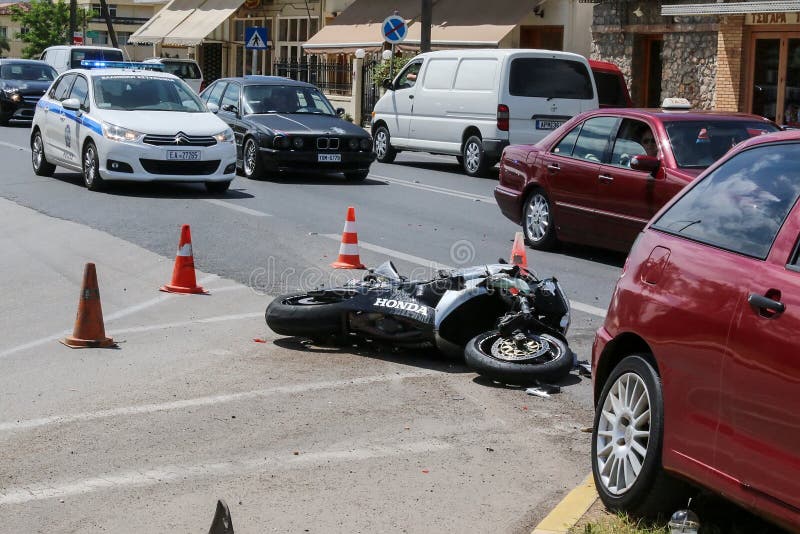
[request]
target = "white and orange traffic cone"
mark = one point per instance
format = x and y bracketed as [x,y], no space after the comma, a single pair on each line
[183,278]
[348,251]
[518,255]
[89,331]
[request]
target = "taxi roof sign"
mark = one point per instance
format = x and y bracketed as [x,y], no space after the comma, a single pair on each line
[100,64]
[676,103]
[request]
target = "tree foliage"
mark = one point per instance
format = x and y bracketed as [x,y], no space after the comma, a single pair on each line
[380,70]
[46,24]
[4,45]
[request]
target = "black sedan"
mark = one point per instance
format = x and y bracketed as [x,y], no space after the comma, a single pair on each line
[286,125]
[22,84]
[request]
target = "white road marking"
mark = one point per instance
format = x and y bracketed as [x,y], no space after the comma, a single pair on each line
[209,400]
[164,326]
[111,317]
[586,308]
[436,189]
[16,147]
[181,473]
[236,207]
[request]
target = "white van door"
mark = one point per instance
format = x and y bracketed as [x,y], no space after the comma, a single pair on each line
[542,93]
[430,125]
[402,100]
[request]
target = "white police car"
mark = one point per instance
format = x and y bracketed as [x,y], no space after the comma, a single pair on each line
[127,121]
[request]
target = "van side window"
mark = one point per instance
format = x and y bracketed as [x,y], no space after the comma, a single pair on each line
[408,77]
[550,78]
[439,74]
[476,75]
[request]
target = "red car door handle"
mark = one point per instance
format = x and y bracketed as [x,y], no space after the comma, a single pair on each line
[553,167]
[763,303]
[606,178]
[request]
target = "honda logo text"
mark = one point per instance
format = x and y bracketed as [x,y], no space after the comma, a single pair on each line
[400,305]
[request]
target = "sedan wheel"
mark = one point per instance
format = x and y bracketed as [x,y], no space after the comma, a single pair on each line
[91,168]
[538,222]
[253,168]
[40,164]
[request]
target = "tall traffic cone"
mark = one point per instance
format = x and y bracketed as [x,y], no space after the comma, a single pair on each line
[518,255]
[348,251]
[89,331]
[183,279]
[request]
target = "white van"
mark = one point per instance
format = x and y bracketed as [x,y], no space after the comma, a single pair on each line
[63,58]
[472,103]
[186,69]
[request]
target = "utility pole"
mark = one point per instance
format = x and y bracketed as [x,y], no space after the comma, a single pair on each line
[73,9]
[105,14]
[425,30]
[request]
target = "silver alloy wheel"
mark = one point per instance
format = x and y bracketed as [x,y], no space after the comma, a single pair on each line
[472,157]
[381,143]
[537,217]
[623,433]
[89,165]
[37,151]
[250,155]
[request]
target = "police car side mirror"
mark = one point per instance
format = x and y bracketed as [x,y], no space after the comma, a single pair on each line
[213,108]
[72,104]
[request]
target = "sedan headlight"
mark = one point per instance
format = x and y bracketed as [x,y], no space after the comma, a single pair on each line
[118,133]
[366,143]
[224,137]
[12,94]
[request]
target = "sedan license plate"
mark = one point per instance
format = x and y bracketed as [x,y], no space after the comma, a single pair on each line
[183,155]
[544,124]
[329,157]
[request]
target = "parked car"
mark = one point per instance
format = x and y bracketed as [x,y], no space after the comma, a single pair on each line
[286,125]
[472,103]
[695,369]
[63,58]
[599,178]
[130,124]
[186,69]
[612,92]
[22,84]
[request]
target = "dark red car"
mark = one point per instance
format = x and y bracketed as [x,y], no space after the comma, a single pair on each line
[611,89]
[601,176]
[697,367]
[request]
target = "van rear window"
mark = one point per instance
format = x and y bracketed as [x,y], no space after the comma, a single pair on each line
[91,54]
[549,78]
[610,90]
[182,69]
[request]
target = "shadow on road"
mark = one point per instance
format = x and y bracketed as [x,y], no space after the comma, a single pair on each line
[175,190]
[598,255]
[317,179]
[422,358]
[452,168]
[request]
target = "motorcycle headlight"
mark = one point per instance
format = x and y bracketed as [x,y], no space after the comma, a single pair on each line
[118,133]
[224,136]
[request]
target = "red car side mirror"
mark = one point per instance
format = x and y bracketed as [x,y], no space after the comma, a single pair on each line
[645,163]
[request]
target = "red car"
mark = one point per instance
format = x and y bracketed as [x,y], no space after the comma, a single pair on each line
[697,367]
[600,177]
[611,89]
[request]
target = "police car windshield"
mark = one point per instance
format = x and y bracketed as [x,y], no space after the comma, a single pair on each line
[145,93]
[31,72]
[285,99]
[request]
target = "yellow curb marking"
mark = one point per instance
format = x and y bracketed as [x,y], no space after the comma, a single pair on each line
[569,510]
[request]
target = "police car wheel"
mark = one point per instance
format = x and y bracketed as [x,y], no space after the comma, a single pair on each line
[217,187]
[40,164]
[251,160]
[91,168]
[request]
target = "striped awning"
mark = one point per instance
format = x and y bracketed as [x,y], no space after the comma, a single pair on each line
[730,8]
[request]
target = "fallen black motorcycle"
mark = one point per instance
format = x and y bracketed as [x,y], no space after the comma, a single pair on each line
[509,325]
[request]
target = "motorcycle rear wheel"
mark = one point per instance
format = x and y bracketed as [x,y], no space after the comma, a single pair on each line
[304,315]
[542,357]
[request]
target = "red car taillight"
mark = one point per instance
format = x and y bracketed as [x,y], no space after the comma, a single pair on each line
[502,117]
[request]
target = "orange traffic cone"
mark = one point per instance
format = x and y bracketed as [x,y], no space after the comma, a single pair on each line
[183,279]
[518,255]
[348,251]
[89,331]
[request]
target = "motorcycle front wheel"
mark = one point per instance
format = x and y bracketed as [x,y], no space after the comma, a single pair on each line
[518,362]
[305,315]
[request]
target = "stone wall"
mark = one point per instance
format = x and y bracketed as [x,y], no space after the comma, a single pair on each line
[689,52]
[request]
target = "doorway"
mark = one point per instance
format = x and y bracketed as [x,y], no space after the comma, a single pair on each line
[774,74]
[650,94]
[544,37]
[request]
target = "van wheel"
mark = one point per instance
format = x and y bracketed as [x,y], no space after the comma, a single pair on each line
[475,161]
[383,147]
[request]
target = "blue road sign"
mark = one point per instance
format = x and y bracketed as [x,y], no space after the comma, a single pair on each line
[255,38]
[394,29]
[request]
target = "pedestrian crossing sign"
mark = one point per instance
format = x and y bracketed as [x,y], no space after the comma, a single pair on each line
[255,38]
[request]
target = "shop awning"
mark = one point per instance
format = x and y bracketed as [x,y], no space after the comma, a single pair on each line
[735,8]
[185,22]
[456,23]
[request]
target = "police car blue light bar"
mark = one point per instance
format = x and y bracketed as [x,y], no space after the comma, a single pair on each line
[100,64]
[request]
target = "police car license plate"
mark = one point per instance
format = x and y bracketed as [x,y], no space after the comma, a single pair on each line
[329,157]
[183,155]
[543,124]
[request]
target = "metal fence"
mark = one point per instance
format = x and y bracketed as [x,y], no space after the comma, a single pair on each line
[332,78]
[369,94]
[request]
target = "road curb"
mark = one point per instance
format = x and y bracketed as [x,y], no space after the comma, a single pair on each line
[569,510]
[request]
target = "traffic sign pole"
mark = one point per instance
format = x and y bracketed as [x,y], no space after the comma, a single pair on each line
[391,65]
